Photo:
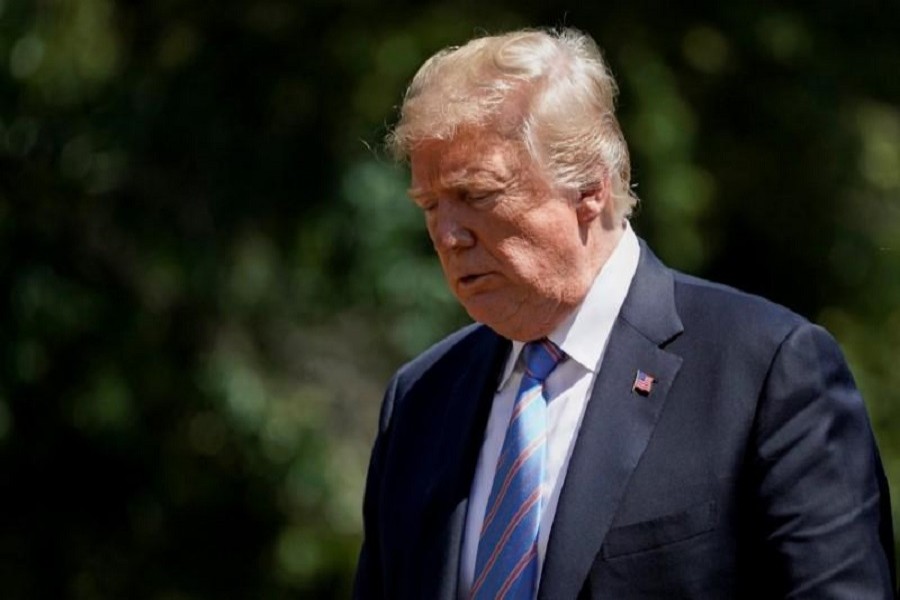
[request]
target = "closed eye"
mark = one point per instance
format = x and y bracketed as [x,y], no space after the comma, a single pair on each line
[425,202]
[480,197]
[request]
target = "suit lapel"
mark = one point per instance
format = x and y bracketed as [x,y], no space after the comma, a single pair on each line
[615,430]
[467,401]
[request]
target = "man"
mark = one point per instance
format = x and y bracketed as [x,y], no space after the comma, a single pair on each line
[609,428]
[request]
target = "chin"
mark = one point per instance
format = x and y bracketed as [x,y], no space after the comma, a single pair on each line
[481,312]
[510,327]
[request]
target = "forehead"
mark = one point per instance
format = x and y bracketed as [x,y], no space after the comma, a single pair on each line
[469,156]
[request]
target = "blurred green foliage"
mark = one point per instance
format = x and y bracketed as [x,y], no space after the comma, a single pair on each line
[209,268]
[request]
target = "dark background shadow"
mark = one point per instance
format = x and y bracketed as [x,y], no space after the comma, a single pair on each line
[209,268]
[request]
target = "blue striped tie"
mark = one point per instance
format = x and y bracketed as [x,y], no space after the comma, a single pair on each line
[506,565]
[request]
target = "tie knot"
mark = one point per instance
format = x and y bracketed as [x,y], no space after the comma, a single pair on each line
[541,357]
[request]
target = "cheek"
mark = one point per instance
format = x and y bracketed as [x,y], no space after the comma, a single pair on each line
[428,218]
[524,257]
[542,260]
[432,235]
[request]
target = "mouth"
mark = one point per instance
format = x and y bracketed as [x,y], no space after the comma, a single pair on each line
[467,281]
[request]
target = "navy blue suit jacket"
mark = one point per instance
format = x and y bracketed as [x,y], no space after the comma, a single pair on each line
[750,470]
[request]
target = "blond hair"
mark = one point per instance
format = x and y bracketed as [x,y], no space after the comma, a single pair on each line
[550,88]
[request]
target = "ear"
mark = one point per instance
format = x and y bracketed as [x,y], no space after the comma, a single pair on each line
[592,203]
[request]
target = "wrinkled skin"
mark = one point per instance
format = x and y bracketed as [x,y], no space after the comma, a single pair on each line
[518,254]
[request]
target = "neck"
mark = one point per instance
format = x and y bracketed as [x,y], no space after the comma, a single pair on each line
[602,241]
[599,246]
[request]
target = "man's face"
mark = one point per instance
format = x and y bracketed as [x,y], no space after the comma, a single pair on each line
[514,250]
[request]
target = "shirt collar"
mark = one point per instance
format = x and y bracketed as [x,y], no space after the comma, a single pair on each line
[578,335]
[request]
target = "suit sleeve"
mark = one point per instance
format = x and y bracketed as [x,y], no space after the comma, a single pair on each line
[821,492]
[369,581]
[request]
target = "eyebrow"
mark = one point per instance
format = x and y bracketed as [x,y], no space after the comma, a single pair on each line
[417,194]
[475,176]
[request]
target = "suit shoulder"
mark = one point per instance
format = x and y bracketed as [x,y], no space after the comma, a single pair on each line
[443,362]
[727,309]
[469,335]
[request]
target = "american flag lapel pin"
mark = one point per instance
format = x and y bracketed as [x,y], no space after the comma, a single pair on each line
[643,383]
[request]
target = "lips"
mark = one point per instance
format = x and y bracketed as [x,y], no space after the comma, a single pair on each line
[472,280]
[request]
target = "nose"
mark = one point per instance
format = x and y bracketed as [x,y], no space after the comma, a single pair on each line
[448,230]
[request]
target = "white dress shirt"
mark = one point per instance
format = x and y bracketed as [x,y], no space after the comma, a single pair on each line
[583,337]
